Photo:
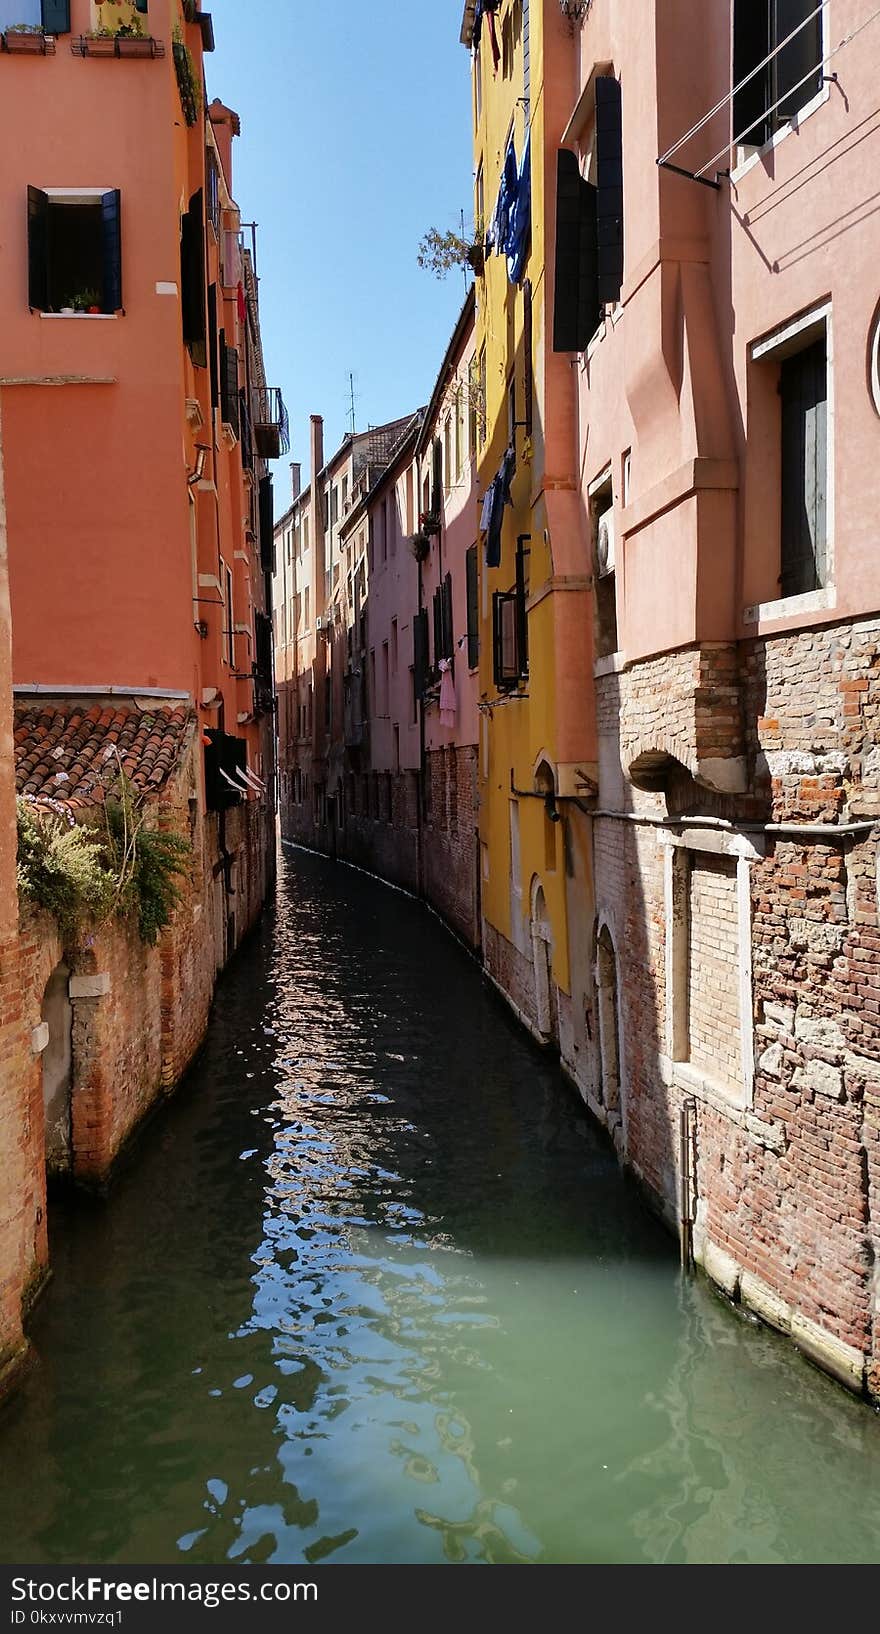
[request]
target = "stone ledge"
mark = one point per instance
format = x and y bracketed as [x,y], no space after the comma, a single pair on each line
[765,1303]
[721,1267]
[845,1363]
[89,987]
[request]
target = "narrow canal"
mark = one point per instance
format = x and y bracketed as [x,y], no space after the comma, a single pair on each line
[374,1290]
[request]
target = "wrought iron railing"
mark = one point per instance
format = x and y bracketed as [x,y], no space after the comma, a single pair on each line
[270,422]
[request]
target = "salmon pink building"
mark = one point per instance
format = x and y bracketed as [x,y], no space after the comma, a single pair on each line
[715,288]
[138,429]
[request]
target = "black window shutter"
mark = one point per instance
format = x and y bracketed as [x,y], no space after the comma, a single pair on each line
[56,16]
[267,525]
[437,607]
[804,392]
[192,278]
[212,344]
[448,635]
[38,249]
[473,608]
[799,61]
[576,308]
[229,385]
[111,216]
[751,43]
[609,180]
[437,487]
[420,651]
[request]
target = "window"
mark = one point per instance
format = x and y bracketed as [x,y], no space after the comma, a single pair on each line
[447,454]
[344,493]
[510,650]
[482,407]
[589,226]
[394,646]
[212,185]
[778,90]
[798,357]
[229,400]
[604,576]
[459,432]
[229,632]
[420,654]
[52,16]
[74,251]
[473,608]
[334,505]
[478,87]
[444,645]
[479,201]
[410,528]
[386,694]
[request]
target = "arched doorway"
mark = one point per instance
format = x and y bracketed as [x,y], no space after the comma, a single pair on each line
[542,963]
[57,1014]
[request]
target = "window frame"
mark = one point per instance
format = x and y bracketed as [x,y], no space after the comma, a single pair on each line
[746,155]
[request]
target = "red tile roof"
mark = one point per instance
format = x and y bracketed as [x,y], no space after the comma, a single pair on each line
[72,753]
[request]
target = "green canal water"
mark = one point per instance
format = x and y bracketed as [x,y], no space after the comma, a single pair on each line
[373,1289]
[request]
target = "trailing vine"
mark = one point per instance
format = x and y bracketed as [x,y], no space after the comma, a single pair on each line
[88,873]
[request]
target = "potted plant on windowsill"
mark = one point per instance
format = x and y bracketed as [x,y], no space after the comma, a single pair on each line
[29,38]
[420,545]
[101,42]
[131,41]
[87,301]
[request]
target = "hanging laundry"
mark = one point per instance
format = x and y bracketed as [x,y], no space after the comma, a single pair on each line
[486,513]
[500,498]
[447,693]
[516,245]
[499,227]
[496,50]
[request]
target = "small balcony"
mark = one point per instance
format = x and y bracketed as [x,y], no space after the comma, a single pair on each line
[270,423]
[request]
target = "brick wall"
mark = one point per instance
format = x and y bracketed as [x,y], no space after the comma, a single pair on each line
[713,1017]
[787,1176]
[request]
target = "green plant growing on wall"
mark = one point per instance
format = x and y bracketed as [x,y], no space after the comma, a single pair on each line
[88,873]
[187,83]
[146,863]
[62,868]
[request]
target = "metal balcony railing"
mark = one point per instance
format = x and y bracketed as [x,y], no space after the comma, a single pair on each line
[270,423]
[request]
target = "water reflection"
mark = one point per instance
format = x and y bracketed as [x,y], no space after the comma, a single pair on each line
[375,1290]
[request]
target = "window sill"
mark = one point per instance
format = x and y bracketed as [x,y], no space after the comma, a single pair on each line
[794,608]
[681,1075]
[80,317]
[793,124]
[611,664]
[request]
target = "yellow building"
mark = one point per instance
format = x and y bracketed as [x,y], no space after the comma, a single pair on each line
[537,741]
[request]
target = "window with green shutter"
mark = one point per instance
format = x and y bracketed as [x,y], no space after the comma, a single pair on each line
[75,251]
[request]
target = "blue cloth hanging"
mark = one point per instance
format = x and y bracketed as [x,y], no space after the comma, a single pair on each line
[499,226]
[516,246]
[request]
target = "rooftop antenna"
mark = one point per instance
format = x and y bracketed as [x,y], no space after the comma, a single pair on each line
[351,411]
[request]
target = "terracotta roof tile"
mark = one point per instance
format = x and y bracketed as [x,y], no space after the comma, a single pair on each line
[70,753]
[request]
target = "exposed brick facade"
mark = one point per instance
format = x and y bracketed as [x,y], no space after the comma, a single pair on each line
[380,830]
[786,1164]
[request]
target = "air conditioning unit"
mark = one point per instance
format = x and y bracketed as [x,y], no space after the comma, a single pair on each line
[605,544]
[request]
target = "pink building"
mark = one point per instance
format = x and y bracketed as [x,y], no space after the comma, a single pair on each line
[716,287]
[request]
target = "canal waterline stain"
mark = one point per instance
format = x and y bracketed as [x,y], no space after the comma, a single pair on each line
[373,1289]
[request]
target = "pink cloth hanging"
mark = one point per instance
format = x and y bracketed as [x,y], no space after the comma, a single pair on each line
[447,693]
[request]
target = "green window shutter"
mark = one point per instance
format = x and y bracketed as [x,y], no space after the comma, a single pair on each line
[192,278]
[576,307]
[56,16]
[420,652]
[267,525]
[609,195]
[437,481]
[38,249]
[446,607]
[212,345]
[111,216]
[473,608]
[229,386]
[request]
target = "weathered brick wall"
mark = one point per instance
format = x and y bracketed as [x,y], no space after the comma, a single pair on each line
[787,1177]
[451,844]
[713,969]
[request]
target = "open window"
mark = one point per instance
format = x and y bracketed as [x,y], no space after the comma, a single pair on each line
[74,251]
[788,33]
[192,279]
[589,220]
[604,565]
[797,364]
[510,630]
[52,16]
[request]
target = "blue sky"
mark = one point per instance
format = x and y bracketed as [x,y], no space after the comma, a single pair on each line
[356,137]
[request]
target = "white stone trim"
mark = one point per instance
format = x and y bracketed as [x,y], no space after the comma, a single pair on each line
[743,167]
[813,601]
[89,987]
[746,849]
[612,664]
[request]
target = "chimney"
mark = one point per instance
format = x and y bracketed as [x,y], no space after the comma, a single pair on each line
[316,445]
[295,479]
